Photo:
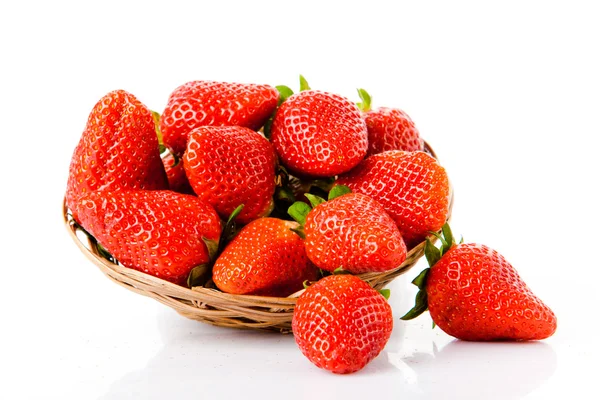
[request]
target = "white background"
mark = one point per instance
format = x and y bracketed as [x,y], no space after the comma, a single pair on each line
[507,94]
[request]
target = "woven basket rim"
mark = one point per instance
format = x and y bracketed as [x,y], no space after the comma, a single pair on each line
[212,306]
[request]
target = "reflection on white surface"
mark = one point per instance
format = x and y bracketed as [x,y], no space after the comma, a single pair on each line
[469,370]
[201,361]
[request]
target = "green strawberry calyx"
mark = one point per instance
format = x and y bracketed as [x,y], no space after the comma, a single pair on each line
[303,84]
[433,254]
[365,104]
[200,274]
[299,210]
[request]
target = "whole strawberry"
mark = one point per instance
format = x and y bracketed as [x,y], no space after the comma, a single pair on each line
[341,323]
[411,186]
[389,128]
[266,258]
[231,165]
[350,231]
[473,293]
[159,232]
[319,134]
[200,103]
[117,150]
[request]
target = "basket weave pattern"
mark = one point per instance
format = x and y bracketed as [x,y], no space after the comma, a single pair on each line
[212,306]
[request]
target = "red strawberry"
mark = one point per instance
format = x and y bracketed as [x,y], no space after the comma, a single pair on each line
[351,231]
[200,103]
[473,293]
[319,134]
[411,186]
[231,165]
[266,258]
[341,323]
[160,232]
[389,128]
[178,181]
[117,150]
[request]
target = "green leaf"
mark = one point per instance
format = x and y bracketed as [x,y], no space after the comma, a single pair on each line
[199,275]
[385,293]
[432,324]
[228,230]
[419,308]
[440,238]
[432,253]
[298,211]
[325,184]
[449,238]
[234,214]
[340,271]
[156,118]
[284,93]
[337,191]
[212,246]
[285,193]
[267,128]
[365,104]
[303,84]
[104,253]
[299,231]
[421,279]
[314,200]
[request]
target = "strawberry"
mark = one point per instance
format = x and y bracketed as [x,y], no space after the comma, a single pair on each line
[160,232]
[200,103]
[411,186]
[232,165]
[389,128]
[473,293]
[350,231]
[266,258]
[118,149]
[171,162]
[319,134]
[341,323]
[178,181]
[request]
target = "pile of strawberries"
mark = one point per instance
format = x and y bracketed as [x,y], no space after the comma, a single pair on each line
[261,191]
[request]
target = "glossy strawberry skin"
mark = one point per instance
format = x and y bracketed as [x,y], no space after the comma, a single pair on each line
[475,294]
[355,233]
[391,129]
[319,134]
[158,232]
[340,323]
[266,258]
[117,150]
[232,165]
[208,103]
[411,186]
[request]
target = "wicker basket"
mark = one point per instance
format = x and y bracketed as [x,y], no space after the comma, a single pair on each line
[212,306]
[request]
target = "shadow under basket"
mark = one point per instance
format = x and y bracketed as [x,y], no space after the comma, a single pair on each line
[212,306]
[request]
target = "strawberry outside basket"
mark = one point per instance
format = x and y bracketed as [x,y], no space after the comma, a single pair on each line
[208,304]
